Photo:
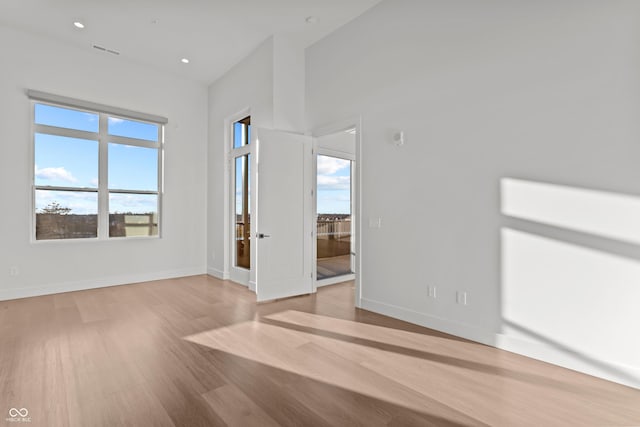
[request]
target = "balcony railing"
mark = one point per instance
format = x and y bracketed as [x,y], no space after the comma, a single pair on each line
[333,237]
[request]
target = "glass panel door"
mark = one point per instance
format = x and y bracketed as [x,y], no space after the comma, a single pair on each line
[242,215]
[333,223]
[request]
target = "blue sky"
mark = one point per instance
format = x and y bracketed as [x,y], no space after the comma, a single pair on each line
[334,192]
[237,135]
[334,185]
[71,162]
[238,182]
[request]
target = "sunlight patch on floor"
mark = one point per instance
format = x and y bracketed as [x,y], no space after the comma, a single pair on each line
[412,370]
[317,357]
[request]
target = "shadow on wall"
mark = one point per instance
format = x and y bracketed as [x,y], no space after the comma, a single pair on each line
[570,261]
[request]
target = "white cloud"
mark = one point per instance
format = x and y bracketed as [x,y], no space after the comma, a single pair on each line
[115,120]
[330,165]
[334,182]
[51,174]
[94,182]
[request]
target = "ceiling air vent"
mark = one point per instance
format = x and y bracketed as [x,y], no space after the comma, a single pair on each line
[104,49]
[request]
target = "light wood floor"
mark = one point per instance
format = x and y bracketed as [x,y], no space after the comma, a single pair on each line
[200,352]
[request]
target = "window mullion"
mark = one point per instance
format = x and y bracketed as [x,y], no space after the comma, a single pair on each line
[66,132]
[160,176]
[103,177]
[132,141]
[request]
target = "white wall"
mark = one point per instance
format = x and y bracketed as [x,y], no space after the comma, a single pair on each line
[543,91]
[288,84]
[32,62]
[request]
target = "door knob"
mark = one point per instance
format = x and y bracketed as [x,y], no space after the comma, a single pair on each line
[262,235]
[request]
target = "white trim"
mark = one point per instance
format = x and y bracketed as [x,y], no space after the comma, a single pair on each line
[627,375]
[232,272]
[103,177]
[429,321]
[55,288]
[65,132]
[314,215]
[123,140]
[218,274]
[357,173]
[31,172]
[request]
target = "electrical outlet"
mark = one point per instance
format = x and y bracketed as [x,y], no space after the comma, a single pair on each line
[461,298]
[433,292]
[14,270]
[375,222]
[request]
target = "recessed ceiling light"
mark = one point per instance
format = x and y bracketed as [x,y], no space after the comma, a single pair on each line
[78,24]
[184,60]
[311,20]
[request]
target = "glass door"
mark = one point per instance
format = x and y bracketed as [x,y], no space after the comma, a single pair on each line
[334,217]
[240,157]
[242,215]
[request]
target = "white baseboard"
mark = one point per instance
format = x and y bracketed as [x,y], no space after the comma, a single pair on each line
[80,285]
[432,322]
[334,280]
[611,371]
[218,274]
[616,372]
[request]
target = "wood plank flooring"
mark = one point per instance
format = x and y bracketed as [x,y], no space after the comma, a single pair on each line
[198,351]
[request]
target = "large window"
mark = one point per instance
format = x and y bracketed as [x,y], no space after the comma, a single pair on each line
[97,170]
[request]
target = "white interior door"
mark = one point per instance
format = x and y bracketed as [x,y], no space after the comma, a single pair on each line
[283,206]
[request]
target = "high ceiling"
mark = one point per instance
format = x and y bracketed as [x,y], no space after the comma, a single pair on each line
[212,34]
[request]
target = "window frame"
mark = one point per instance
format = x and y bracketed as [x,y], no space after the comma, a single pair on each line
[103,139]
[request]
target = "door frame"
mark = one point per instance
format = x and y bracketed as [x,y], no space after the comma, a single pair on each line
[339,126]
[236,274]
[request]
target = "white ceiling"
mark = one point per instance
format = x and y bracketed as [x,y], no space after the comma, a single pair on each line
[213,34]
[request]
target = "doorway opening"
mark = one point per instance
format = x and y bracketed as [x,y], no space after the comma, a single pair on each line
[334,217]
[335,207]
